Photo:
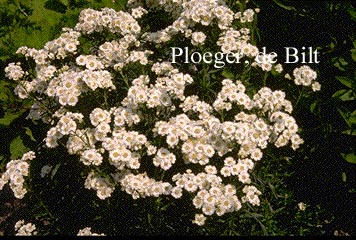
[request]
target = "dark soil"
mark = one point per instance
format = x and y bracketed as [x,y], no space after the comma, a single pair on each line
[10,210]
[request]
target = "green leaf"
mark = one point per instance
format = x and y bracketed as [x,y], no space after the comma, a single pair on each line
[29,133]
[342,61]
[349,132]
[351,157]
[164,208]
[352,12]
[343,176]
[279,3]
[345,116]
[353,54]
[214,71]
[345,80]
[149,218]
[352,117]
[117,4]
[65,2]
[17,149]
[344,95]
[55,5]
[227,74]
[10,117]
[337,64]
[4,90]
[312,107]
[332,46]
[54,171]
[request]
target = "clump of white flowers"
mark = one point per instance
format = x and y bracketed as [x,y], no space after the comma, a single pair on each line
[16,171]
[87,232]
[14,71]
[118,123]
[23,229]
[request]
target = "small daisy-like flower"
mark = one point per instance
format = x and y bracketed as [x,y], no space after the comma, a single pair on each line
[199,219]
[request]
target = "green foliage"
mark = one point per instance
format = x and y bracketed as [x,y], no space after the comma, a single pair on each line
[345,97]
[351,157]
[17,148]
[31,23]
[326,119]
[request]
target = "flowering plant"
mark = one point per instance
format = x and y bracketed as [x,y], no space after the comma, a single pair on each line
[140,123]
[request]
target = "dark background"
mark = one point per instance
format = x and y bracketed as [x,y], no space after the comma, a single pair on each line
[318,175]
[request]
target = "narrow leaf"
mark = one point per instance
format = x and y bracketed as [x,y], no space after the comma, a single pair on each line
[227,74]
[344,95]
[353,54]
[345,80]
[351,157]
[54,171]
[343,176]
[29,133]
[279,3]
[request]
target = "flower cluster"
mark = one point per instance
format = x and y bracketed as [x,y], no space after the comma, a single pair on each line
[306,76]
[87,232]
[102,185]
[212,195]
[128,114]
[141,185]
[14,71]
[23,229]
[15,172]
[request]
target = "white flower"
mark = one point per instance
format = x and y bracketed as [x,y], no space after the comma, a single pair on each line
[14,71]
[172,140]
[199,219]
[153,117]
[176,192]
[91,156]
[208,209]
[23,229]
[302,206]
[316,86]
[81,60]
[198,38]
